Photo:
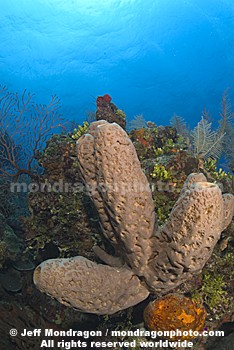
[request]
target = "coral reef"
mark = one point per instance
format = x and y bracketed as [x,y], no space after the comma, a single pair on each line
[81,130]
[11,246]
[212,292]
[166,163]
[25,126]
[107,110]
[61,205]
[216,287]
[138,122]
[174,312]
[162,257]
[156,140]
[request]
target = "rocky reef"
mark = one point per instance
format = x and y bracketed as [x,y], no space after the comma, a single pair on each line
[161,257]
[137,225]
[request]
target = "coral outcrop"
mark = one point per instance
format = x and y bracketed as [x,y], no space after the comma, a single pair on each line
[107,110]
[159,258]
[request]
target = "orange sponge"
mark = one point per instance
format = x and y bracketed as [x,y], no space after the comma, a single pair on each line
[174,312]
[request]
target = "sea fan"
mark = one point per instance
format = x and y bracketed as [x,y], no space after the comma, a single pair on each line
[206,142]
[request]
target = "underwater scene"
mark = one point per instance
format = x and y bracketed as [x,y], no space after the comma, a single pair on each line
[117,174]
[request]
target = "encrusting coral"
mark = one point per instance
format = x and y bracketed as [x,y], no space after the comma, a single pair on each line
[147,258]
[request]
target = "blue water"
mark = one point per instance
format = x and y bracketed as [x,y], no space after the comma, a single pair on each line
[156,57]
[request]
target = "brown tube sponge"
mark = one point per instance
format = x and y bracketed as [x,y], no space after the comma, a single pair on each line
[86,157]
[123,197]
[228,201]
[89,287]
[185,243]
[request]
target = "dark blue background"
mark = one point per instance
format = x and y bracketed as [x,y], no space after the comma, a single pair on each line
[156,57]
